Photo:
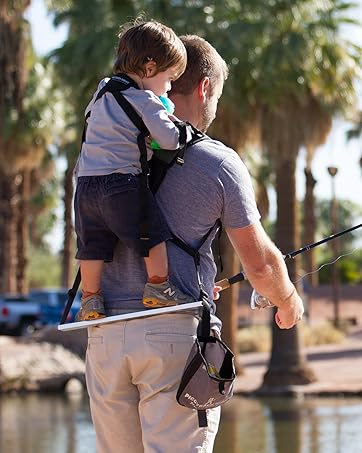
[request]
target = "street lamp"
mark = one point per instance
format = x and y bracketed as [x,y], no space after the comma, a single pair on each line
[335,248]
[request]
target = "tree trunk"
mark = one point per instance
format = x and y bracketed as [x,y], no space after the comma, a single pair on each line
[287,363]
[281,412]
[10,218]
[23,234]
[68,247]
[3,205]
[227,305]
[309,227]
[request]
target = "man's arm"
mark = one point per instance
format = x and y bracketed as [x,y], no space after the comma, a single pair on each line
[266,271]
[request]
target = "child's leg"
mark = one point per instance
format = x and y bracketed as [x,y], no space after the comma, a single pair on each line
[159,291]
[92,306]
[91,271]
[157,264]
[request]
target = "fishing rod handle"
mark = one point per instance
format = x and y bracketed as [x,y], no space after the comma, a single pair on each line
[224,283]
[227,282]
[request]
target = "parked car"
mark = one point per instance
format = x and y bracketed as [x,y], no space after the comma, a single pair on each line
[21,315]
[18,315]
[52,303]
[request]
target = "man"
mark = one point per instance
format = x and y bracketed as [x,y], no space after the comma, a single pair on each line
[134,368]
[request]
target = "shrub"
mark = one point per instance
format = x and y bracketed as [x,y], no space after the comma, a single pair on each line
[258,338]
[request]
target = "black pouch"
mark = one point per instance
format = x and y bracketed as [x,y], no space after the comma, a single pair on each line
[208,378]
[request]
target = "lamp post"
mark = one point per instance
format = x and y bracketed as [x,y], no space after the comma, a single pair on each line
[335,249]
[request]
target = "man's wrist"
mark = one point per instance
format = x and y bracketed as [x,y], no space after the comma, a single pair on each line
[285,303]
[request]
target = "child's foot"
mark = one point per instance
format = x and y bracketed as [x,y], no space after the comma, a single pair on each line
[164,294]
[92,307]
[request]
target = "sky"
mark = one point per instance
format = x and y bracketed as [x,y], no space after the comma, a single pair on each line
[335,152]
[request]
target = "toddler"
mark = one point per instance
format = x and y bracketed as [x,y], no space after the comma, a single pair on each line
[107,200]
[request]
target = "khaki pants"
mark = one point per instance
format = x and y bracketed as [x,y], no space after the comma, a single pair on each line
[133,370]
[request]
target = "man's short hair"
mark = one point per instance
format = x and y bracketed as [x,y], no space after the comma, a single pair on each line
[203,60]
[149,41]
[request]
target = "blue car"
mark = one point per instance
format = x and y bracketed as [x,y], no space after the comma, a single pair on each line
[52,303]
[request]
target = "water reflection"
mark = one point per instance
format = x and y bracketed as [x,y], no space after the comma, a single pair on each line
[45,424]
[287,425]
[61,424]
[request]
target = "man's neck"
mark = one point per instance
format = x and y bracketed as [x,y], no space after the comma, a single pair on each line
[185,108]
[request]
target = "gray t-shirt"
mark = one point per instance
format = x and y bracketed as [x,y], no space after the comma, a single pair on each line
[212,184]
[111,139]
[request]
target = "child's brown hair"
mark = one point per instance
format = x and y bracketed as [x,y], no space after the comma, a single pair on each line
[149,41]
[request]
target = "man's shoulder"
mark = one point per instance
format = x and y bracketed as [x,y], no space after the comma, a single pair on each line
[206,147]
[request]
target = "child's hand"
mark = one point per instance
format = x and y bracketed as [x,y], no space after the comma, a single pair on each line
[216,292]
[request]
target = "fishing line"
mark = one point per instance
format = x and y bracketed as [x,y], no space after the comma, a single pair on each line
[325,264]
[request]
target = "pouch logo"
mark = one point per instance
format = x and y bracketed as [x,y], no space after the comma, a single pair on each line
[195,403]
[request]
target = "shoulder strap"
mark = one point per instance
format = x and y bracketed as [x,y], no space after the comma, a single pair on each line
[116,84]
[204,327]
[162,160]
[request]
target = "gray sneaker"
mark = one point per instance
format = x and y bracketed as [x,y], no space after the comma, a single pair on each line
[164,295]
[92,307]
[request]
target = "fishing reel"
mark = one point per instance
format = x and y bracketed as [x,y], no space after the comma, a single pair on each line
[258,301]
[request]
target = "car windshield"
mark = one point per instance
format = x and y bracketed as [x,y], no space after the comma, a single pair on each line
[41,298]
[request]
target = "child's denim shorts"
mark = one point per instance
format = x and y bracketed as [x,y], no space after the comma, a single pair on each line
[107,209]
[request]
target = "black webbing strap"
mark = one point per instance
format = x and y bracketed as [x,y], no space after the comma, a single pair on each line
[204,325]
[71,295]
[202,419]
[145,171]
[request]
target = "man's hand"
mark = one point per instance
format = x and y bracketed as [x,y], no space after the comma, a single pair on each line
[290,313]
[216,292]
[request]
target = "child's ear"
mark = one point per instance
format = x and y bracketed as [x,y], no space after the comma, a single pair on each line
[150,68]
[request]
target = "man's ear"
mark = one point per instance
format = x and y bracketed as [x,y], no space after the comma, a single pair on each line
[204,86]
[150,68]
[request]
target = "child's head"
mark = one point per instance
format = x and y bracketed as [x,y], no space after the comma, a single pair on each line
[151,51]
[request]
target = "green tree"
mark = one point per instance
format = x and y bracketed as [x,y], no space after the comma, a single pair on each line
[301,71]
[25,124]
[349,267]
[356,132]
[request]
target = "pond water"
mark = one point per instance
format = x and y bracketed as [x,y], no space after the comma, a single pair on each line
[62,424]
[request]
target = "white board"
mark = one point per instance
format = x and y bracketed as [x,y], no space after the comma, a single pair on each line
[127,316]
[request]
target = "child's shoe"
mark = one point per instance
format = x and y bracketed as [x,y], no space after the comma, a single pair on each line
[157,295]
[92,307]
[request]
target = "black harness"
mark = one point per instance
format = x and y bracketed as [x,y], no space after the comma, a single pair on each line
[115,86]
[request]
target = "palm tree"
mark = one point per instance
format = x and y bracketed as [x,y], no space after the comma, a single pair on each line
[290,65]
[356,132]
[305,38]
[12,79]
[24,136]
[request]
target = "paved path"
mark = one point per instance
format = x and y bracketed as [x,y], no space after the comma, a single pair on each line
[338,369]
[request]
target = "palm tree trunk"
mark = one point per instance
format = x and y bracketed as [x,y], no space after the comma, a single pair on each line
[68,247]
[23,234]
[309,226]
[227,305]
[10,233]
[3,210]
[287,363]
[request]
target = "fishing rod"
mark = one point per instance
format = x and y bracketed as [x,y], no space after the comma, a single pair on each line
[259,301]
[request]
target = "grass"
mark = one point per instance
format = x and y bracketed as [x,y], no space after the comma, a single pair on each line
[258,338]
